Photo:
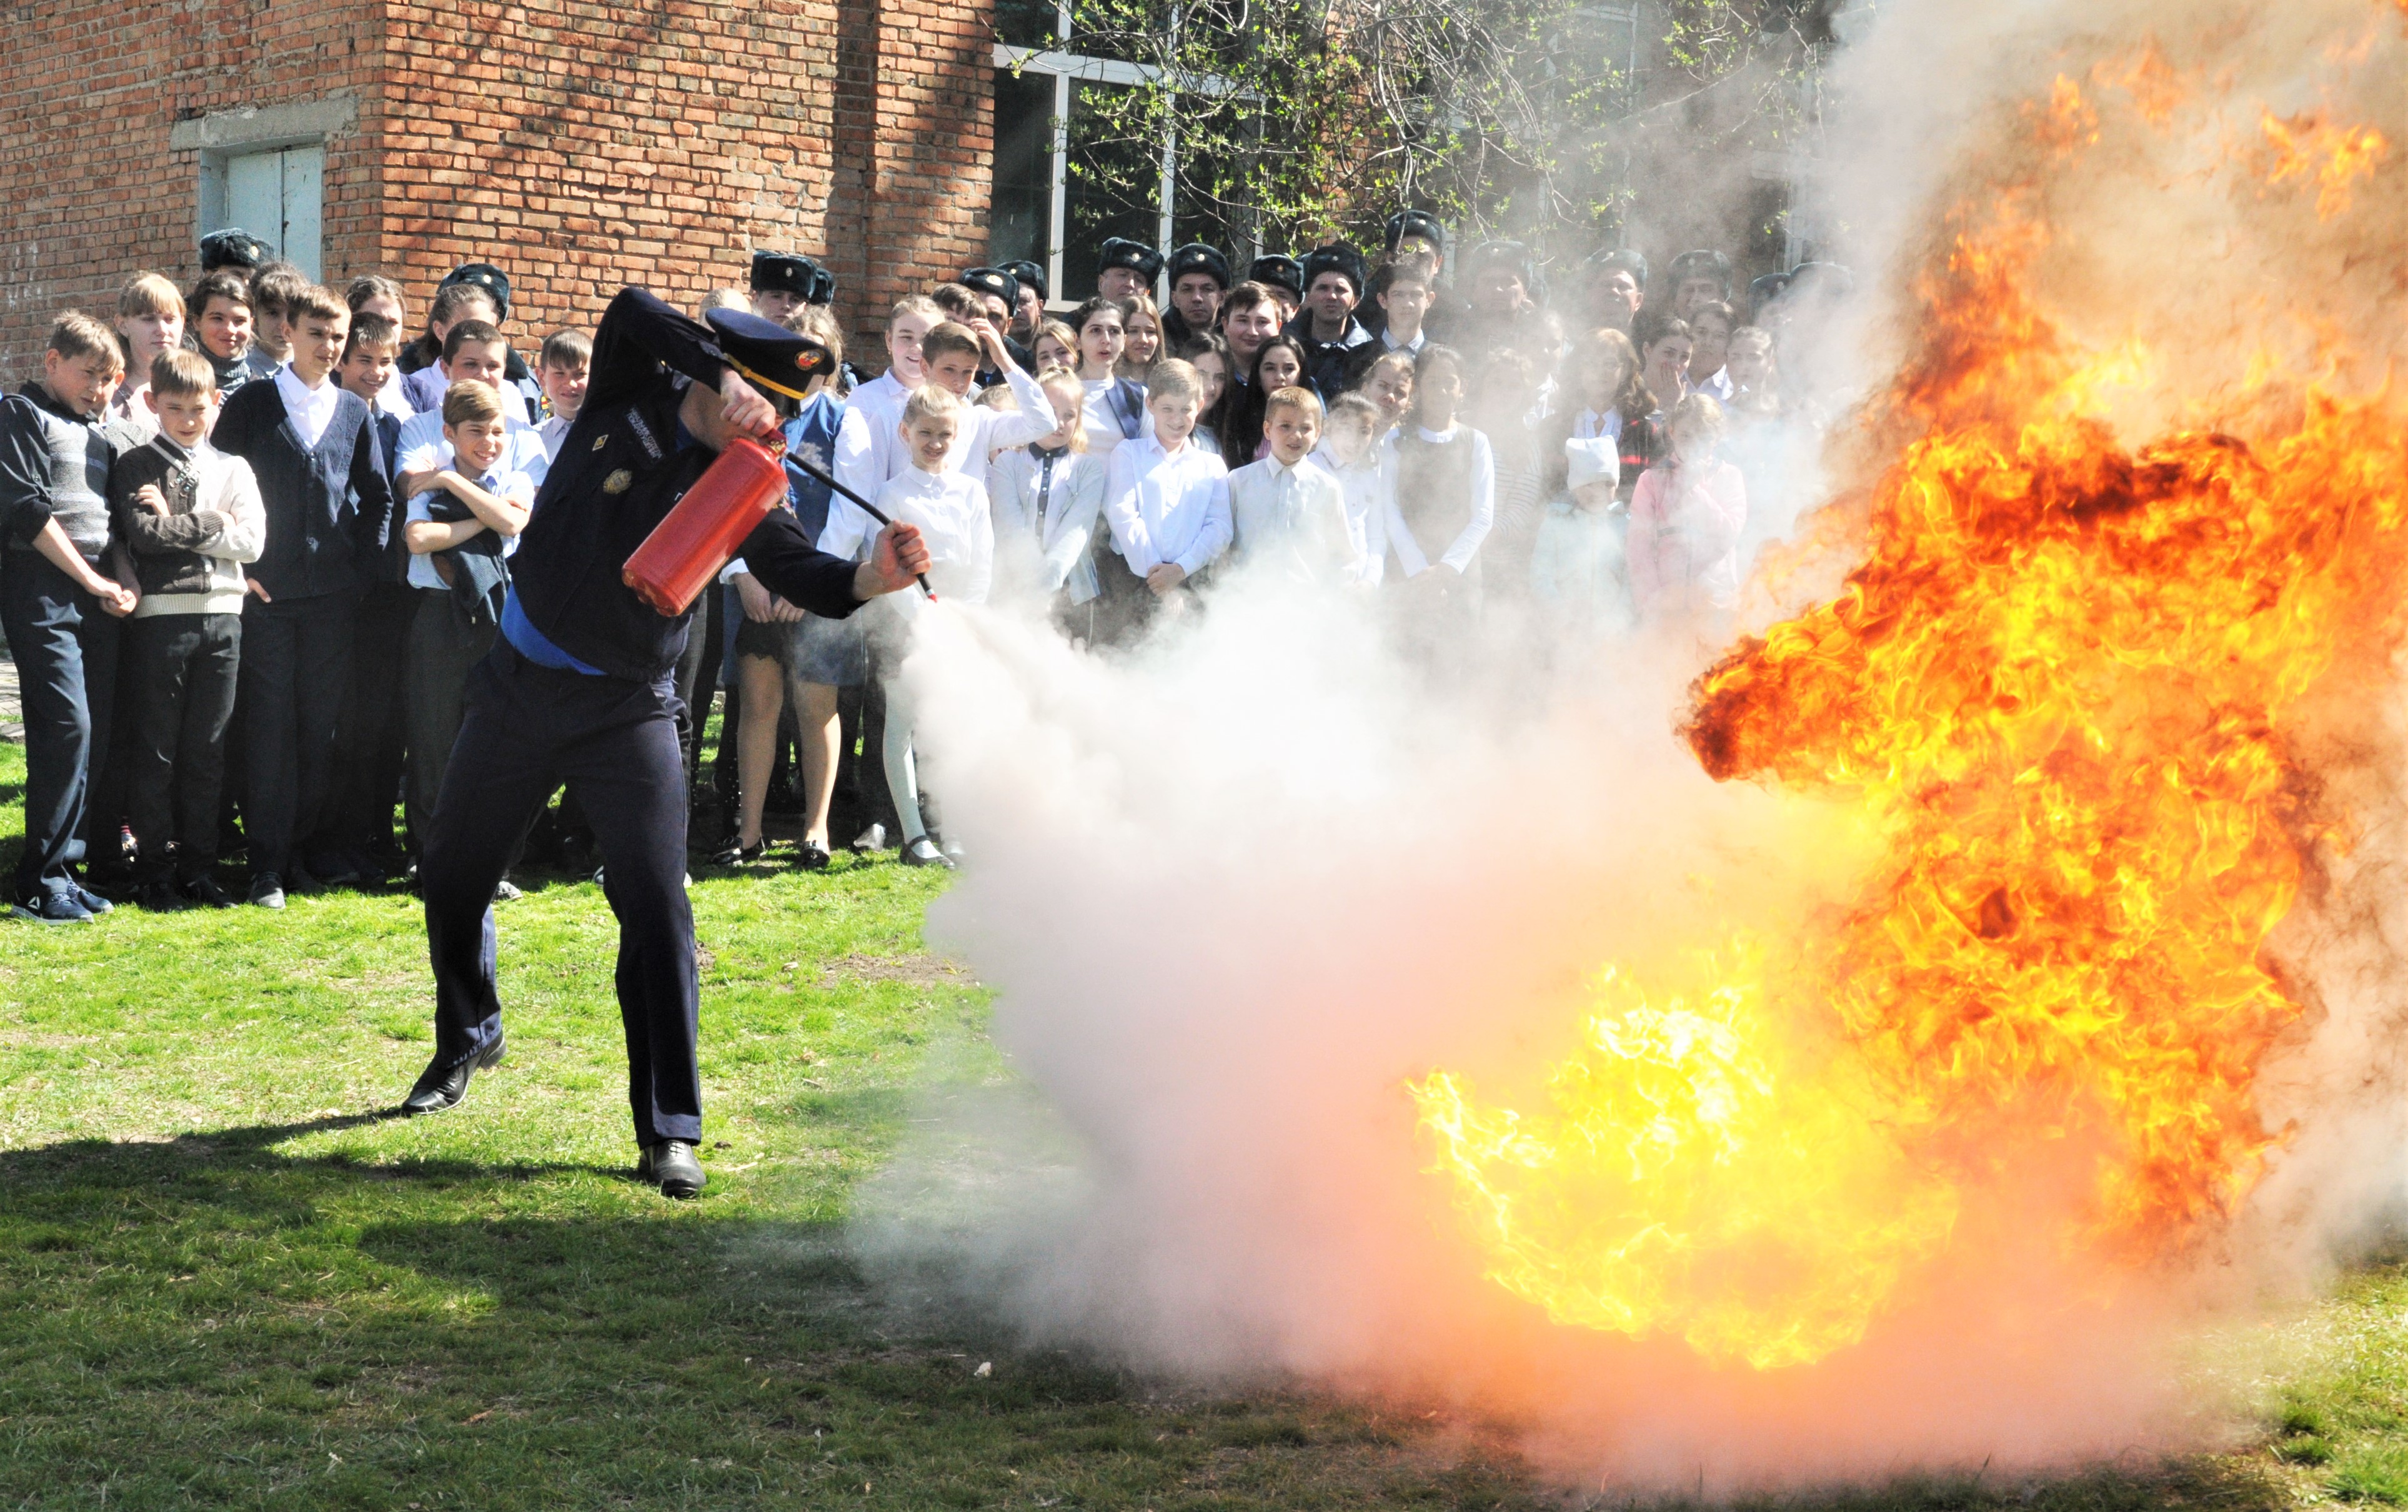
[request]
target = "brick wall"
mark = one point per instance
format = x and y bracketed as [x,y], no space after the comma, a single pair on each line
[579,146]
[91,188]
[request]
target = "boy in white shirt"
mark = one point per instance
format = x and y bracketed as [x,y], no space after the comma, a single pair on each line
[474,351]
[1349,453]
[564,365]
[1287,515]
[1168,503]
[478,494]
[950,507]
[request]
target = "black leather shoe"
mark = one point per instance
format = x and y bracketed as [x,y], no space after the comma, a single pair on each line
[439,1090]
[924,852]
[204,889]
[733,851]
[671,1166]
[816,857]
[161,897]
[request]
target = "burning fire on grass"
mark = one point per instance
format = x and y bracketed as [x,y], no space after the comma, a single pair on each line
[2060,686]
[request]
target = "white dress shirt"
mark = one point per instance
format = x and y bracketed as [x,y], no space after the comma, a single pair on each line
[553,431]
[1410,349]
[421,449]
[503,480]
[1367,514]
[867,452]
[984,431]
[1168,508]
[1291,520]
[1465,544]
[951,510]
[1717,388]
[310,410]
[395,400]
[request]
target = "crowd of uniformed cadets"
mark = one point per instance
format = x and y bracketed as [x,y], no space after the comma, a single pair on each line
[259,533]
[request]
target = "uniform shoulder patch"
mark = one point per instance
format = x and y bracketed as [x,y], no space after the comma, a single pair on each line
[617,482]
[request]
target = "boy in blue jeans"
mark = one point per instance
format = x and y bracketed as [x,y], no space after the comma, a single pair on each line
[59,613]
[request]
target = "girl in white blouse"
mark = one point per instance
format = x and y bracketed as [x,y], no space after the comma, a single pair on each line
[1045,497]
[1438,482]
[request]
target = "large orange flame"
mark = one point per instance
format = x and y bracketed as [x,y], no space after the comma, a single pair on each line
[2057,686]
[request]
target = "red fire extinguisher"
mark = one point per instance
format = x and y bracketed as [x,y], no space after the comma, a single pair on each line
[700,534]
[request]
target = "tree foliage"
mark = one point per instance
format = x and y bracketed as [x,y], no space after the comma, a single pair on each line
[1293,120]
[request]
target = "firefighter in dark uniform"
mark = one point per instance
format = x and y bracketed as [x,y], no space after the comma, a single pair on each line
[578,690]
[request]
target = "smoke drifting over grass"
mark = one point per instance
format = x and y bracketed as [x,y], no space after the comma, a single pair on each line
[1234,892]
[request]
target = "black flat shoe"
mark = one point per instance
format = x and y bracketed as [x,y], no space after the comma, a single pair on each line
[670,1164]
[924,852]
[734,852]
[814,857]
[439,1090]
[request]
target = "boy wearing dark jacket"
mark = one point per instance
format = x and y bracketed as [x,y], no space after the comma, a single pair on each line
[59,615]
[313,444]
[190,518]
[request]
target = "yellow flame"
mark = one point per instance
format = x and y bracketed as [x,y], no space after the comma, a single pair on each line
[1697,1177]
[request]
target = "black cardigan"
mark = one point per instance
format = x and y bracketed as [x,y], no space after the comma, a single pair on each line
[329,508]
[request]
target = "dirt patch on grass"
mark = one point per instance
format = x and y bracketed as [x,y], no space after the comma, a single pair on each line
[919,968]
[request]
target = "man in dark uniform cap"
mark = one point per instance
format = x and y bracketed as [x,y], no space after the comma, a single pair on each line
[1283,275]
[1616,287]
[578,688]
[1125,267]
[1030,312]
[1199,276]
[1699,277]
[999,295]
[1334,276]
[1409,236]
[234,248]
[781,284]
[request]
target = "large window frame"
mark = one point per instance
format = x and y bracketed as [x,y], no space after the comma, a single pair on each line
[1069,70]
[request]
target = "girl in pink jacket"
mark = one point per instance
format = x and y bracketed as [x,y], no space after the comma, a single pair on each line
[1686,517]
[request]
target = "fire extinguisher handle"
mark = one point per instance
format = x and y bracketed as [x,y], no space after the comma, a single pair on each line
[813,469]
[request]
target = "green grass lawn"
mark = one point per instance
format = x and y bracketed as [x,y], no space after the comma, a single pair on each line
[228,1280]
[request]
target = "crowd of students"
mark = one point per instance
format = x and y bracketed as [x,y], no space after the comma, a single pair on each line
[257,533]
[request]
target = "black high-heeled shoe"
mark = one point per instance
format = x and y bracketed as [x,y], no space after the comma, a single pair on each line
[815,857]
[734,852]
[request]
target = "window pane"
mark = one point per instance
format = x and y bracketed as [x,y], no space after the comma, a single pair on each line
[305,172]
[1115,183]
[1022,216]
[1027,24]
[255,196]
[1136,31]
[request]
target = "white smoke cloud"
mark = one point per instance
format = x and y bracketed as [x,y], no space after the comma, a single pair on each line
[1234,892]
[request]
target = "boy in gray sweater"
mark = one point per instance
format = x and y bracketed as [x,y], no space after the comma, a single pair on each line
[59,615]
[192,518]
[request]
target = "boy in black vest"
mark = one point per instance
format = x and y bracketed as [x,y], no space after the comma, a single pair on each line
[313,444]
[59,613]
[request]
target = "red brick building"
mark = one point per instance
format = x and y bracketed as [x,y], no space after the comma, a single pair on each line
[577,144]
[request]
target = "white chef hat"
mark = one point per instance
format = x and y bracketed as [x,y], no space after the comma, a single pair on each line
[1596,460]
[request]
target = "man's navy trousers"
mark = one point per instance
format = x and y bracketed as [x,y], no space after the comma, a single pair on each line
[525,730]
